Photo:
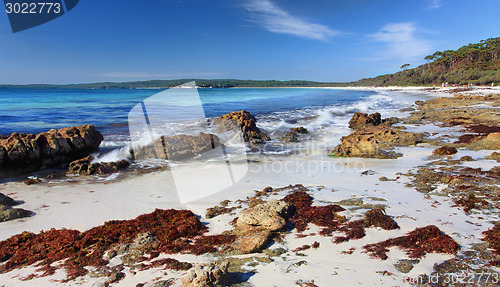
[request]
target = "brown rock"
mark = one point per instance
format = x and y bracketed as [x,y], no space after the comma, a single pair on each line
[30,152]
[375,142]
[206,275]
[300,130]
[445,150]
[361,120]
[251,133]
[85,166]
[177,147]
[269,215]
[251,240]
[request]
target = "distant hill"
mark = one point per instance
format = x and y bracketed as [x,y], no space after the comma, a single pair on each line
[162,84]
[478,64]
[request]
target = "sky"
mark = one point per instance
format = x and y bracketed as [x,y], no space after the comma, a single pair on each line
[330,40]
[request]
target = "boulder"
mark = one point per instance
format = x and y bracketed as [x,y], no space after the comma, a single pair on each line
[206,275]
[251,240]
[361,120]
[269,215]
[375,142]
[251,133]
[27,152]
[6,200]
[8,213]
[178,147]
[444,150]
[300,130]
[85,166]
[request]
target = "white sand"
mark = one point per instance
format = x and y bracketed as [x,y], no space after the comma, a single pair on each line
[74,206]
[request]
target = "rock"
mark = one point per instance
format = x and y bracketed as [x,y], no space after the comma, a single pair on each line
[251,240]
[133,252]
[33,180]
[163,283]
[466,158]
[178,147]
[23,152]
[251,133]
[445,150]
[8,213]
[269,215]
[6,200]
[291,137]
[372,142]
[494,156]
[85,166]
[361,120]
[405,265]
[206,275]
[300,130]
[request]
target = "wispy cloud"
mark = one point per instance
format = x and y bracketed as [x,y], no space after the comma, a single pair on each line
[154,75]
[277,20]
[432,4]
[400,40]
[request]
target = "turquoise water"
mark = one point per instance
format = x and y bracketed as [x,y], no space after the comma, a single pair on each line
[35,111]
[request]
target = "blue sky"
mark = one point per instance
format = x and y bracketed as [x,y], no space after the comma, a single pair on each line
[125,40]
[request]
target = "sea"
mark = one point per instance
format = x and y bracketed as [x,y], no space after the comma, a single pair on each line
[320,110]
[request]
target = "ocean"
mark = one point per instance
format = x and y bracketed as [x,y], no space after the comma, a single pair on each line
[276,109]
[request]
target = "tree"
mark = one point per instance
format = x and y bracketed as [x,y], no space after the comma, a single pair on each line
[405,67]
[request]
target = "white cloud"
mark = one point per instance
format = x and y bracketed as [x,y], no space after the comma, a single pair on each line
[432,4]
[400,40]
[277,20]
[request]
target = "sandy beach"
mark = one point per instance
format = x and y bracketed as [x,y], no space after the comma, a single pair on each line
[309,257]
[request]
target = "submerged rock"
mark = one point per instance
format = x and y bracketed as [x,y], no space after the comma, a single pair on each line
[206,275]
[247,122]
[24,152]
[85,166]
[375,142]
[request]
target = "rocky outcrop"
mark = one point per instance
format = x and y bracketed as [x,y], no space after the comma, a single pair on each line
[85,166]
[251,133]
[361,120]
[206,275]
[7,212]
[25,152]
[375,142]
[178,147]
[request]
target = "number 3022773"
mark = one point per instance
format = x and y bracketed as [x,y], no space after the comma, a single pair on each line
[33,8]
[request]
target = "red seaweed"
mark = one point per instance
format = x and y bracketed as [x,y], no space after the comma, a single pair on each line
[87,248]
[305,213]
[492,236]
[417,243]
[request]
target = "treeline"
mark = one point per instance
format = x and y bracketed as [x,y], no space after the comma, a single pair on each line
[477,64]
[162,84]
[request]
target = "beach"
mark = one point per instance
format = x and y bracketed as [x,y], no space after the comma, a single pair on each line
[389,182]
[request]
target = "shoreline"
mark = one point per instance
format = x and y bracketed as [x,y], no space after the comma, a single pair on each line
[409,207]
